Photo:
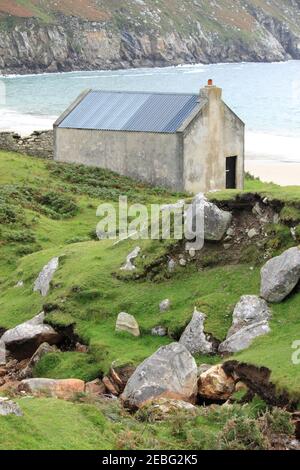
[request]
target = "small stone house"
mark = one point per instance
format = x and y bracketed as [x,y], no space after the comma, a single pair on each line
[185,142]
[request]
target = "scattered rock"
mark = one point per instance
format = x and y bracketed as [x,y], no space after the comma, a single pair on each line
[128,323]
[159,331]
[23,340]
[171,265]
[248,311]
[252,233]
[216,221]
[165,305]
[8,407]
[95,388]
[280,275]
[183,262]
[65,389]
[230,232]
[161,408]
[111,388]
[82,348]
[294,233]
[42,283]
[214,384]
[129,266]
[192,252]
[171,372]
[244,338]
[194,338]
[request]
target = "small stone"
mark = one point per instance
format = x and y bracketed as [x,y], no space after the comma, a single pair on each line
[159,331]
[230,232]
[171,265]
[127,322]
[182,262]
[194,338]
[8,407]
[252,233]
[82,348]
[19,284]
[192,252]
[165,305]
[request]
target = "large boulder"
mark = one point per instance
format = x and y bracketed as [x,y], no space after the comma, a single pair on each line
[249,310]
[8,407]
[23,340]
[171,372]
[214,384]
[194,338]
[216,221]
[280,275]
[250,320]
[128,323]
[65,389]
[243,338]
[42,283]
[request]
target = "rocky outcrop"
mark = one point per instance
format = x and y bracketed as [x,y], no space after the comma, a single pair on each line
[143,33]
[280,275]
[206,220]
[65,389]
[8,407]
[214,384]
[23,340]
[250,320]
[171,372]
[42,283]
[194,338]
[127,323]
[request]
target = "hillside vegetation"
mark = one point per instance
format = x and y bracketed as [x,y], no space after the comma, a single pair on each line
[44,35]
[49,209]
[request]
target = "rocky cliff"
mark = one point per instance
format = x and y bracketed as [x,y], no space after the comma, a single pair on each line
[48,36]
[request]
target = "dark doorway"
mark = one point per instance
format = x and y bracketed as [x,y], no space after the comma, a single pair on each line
[231,172]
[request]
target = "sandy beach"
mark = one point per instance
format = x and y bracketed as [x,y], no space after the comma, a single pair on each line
[283,173]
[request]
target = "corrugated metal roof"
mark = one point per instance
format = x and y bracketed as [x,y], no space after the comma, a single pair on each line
[129,111]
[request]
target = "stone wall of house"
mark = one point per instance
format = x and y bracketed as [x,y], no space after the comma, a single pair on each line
[38,144]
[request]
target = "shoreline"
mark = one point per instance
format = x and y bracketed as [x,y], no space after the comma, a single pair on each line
[119,67]
[270,171]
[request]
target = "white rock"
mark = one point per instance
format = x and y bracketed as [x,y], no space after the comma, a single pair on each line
[42,283]
[129,266]
[127,322]
[165,305]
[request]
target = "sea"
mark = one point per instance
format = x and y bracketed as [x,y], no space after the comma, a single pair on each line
[265,95]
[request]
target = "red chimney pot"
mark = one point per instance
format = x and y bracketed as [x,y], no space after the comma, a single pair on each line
[210,82]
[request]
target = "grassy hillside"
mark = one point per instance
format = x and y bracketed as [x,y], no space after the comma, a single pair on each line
[47,210]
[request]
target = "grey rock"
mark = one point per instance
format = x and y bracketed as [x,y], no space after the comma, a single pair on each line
[2,353]
[171,372]
[159,331]
[243,338]
[8,407]
[194,338]
[183,262]
[128,323]
[129,266]
[19,284]
[171,265]
[165,305]
[249,310]
[216,221]
[42,283]
[252,233]
[24,339]
[43,349]
[280,275]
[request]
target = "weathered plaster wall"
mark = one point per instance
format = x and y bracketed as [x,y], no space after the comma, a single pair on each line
[155,158]
[214,135]
[38,144]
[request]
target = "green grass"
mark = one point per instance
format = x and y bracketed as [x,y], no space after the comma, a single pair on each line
[50,424]
[89,290]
